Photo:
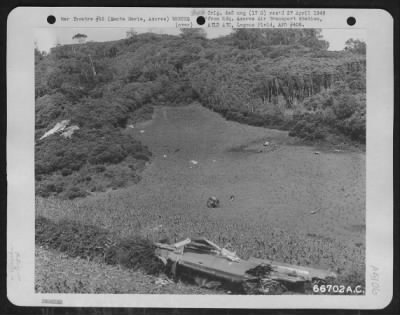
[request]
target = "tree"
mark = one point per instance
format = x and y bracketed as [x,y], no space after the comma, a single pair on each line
[247,38]
[193,33]
[256,38]
[355,46]
[131,33]
[80,38]
[312,38]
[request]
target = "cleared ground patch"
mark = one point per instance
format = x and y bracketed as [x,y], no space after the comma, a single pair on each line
[289,204]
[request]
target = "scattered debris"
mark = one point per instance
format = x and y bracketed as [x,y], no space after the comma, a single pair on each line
[177,150]
[212,202]
[164,156]
[266,143]
[163,281]
[131,126]
[262,270]
[337,150]
[69,131]
[315,211]
[194,162]
[205,283]
[205,246]
[200,260]
[60,126]
[211,266]
[317,152]
[141,131]
[232,197]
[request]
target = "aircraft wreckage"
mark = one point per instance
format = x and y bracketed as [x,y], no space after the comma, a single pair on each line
[219,267]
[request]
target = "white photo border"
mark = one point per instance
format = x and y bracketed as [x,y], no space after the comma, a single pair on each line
[21,24]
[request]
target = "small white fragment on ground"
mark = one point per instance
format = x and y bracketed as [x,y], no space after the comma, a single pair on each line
[68,132]
[164,156]
[60,126]
[157,228]
[162,282]
[337,150]
[315,211]
[141,131]
[131,126]
[317,152]
[266,143]
[163,259]
[194,162]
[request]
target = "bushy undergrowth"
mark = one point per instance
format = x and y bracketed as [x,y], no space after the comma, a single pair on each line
[96,244]
[282,79]
[92,160]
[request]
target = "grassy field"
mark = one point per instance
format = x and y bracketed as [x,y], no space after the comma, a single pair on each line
[56,272]
[283,201]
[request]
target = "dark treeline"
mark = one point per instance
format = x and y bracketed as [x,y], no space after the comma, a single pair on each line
[284,79]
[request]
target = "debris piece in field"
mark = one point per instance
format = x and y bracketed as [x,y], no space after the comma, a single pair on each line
[317,152]
[131,126]
[177,150]
[141,131]
[194,162]
[266,143]
[229,255]
[163,281]
[207,265]
[60,126]
[182,243]
[205,283]
[164,156]
[212,202]
[205,246]
[315,211]
[232,197]
[337,150]
[260,271]
[69,131]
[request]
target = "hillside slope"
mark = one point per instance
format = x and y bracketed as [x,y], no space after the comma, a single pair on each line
[94,92]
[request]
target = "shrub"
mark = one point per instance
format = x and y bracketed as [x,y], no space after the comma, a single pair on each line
[75,192]
[66,171]
[141,156]
[309,127]
[345,106]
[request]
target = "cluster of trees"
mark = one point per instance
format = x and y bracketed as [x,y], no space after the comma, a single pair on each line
[280,78]
[77,83]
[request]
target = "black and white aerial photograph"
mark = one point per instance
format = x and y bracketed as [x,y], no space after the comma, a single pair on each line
[201,161]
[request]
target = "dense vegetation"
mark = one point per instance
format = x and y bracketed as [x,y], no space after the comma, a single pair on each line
[283,79]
